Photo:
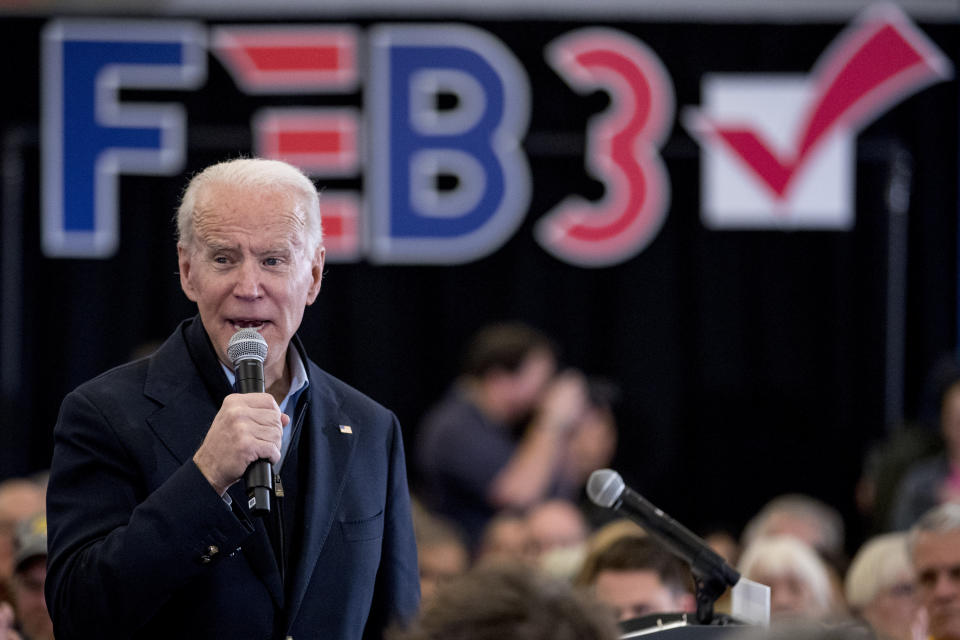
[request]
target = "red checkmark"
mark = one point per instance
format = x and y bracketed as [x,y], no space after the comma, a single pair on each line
[868,68]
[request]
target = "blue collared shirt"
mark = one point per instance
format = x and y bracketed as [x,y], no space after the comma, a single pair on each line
[298,382]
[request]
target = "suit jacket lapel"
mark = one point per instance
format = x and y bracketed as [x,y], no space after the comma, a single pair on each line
[190,398]
[331,451]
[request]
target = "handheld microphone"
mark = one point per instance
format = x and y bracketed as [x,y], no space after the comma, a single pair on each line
[607,489]
[247,351]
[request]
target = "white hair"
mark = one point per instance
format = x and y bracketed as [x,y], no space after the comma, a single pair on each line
[942,519]
[258,173]
[828,521]
[786,555]
[879,564]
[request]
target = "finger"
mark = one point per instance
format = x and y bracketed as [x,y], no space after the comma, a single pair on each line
[252,400]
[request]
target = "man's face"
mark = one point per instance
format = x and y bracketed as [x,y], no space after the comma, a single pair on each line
[634,593]
[29,603]
[790,595]
[250,266]
[936,558]
[17,502]
[524,387]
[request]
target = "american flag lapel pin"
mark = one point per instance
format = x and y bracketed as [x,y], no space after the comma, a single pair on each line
[345,428]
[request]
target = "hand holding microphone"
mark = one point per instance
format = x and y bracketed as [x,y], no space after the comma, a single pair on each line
[246,434]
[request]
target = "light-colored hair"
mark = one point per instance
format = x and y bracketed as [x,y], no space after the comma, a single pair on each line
[786,555]
[878,565]
[258,173]
[828,520]
[942,519]
[500,602]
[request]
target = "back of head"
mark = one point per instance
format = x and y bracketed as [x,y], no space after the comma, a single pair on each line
[879,564]
[254,173]
[503,346]
[500,602]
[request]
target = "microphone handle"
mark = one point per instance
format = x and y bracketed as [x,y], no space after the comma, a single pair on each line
[704,562]
[259,475]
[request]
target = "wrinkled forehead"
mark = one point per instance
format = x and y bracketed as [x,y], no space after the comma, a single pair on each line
[269,215]
[937,548]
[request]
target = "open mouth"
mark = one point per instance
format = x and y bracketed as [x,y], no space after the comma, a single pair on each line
[240,323]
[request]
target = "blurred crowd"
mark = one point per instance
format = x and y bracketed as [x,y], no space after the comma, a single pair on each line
[509,547]
[502,459]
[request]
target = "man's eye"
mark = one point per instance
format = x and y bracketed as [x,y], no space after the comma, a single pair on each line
[272,262]
[220,259]
[927,578]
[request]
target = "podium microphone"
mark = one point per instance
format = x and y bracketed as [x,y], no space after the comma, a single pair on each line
[247,351]
[607,489]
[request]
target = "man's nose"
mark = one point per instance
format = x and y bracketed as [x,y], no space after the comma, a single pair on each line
[248,280]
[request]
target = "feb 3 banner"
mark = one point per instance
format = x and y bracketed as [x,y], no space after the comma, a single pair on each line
[421,129]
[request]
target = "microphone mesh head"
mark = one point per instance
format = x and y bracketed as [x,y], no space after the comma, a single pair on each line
[605,487]
[246,344]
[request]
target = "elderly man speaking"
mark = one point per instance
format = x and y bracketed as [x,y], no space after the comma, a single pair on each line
[151,534]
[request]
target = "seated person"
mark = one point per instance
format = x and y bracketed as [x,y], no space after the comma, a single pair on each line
[441,552]
[558,532]
[935,480]
[501,602]
[880,588]
[635,576]
[29,577]
[799,582]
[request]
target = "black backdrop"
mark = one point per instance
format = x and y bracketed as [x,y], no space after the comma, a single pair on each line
[752,363]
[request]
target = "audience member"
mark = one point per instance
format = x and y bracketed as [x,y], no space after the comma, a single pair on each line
[798,579]
[935,550]
[469,458]
[441,552]
[933,480]
[880,588]
[635,576]
[509,603]
[887,462]
[19,499]
[558,532]
[29,578]
[817,524]
[506,539]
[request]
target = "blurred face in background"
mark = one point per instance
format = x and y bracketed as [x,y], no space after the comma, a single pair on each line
[19,499]
[440,563]
[936,558]
[521,390]
[29,602]
[638,592]
[893,611]
[790,596]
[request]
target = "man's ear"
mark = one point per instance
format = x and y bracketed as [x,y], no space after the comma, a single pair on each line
[184,257]
[316,274]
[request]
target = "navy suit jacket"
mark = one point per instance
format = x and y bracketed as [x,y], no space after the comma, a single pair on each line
[141,546]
